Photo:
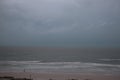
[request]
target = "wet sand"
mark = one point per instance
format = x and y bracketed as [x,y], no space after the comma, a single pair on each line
[60,76]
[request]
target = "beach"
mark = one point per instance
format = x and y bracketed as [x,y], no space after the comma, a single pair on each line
[60,76]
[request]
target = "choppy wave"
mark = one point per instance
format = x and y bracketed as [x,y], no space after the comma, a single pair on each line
[57,63]
[59,66]
[19,62]
[109,59]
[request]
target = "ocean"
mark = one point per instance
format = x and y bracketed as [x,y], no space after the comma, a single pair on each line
[67,60]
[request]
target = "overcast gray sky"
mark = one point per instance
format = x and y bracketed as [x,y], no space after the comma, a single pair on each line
[60,23]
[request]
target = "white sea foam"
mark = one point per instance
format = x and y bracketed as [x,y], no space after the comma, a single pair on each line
[60,66]
[57,63]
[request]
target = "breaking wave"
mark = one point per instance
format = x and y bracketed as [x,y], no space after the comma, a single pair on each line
[59,66]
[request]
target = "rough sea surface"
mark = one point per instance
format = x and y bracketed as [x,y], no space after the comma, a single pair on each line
[83,60]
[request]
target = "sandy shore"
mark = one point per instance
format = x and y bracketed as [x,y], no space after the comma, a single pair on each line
[60,76]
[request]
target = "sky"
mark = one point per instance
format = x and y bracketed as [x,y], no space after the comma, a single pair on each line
[60,23]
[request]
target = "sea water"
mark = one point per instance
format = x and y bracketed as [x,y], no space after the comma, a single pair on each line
[61,60]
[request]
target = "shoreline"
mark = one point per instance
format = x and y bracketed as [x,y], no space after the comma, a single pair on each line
[60,76]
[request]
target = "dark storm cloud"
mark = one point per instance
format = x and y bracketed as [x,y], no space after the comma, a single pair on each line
[60,22]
